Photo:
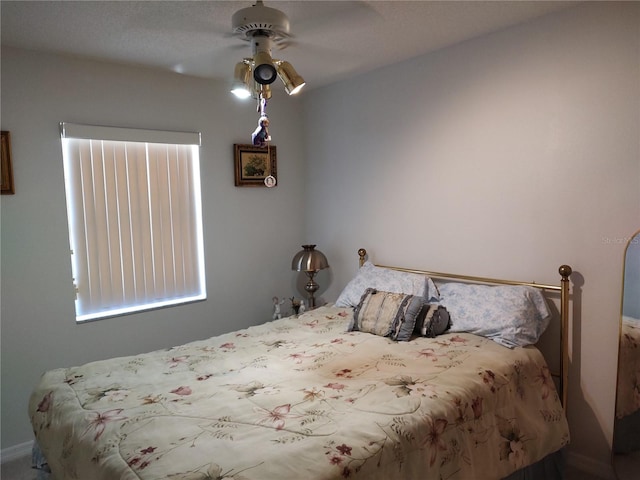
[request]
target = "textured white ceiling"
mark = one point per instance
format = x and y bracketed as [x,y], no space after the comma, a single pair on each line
[333,40]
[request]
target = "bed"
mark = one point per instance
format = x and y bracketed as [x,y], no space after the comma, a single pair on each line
[325,395]
[627,424]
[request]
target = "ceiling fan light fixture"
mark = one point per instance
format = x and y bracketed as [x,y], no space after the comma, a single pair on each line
[241,86]
[263,27]
[293,82]
[263,71]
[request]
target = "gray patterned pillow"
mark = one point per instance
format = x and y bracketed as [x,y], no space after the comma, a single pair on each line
[387,314]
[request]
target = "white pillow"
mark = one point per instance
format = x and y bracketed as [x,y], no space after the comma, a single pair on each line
[511,315]
[387,280]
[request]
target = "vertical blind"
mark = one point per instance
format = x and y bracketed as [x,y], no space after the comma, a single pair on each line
[135,218]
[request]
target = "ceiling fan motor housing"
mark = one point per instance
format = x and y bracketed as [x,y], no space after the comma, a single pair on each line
[260,19]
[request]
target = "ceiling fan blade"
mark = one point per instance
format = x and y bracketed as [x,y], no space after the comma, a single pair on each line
[198,18]
[313,16]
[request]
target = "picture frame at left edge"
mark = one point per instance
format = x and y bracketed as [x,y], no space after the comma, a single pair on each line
[6,165]
[255,166]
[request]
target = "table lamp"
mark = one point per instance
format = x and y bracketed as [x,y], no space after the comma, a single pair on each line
[310,261]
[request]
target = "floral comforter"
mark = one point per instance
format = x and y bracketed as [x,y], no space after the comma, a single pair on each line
[628,397]
[302,398]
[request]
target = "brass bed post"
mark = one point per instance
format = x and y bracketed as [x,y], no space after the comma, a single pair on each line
[565,272]
[362,253]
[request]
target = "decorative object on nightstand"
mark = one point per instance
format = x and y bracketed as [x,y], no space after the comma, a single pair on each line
[295,305]
[277,314]
[310,261]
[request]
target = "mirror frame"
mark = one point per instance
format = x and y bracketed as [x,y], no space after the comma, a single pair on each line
[631,240]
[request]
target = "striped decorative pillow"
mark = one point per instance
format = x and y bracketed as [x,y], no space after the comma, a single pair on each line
[387,314]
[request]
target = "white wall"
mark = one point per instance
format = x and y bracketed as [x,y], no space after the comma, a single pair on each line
[251,234]
[505,156]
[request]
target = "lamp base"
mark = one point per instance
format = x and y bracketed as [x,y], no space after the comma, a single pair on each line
[311,287]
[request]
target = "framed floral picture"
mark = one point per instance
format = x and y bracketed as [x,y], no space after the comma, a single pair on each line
[255,166]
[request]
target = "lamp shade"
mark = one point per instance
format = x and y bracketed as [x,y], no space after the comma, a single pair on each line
[309,260]
[241,78]
[263,71]
[293,82]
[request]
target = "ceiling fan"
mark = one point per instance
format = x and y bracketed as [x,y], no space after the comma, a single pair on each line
[263,27]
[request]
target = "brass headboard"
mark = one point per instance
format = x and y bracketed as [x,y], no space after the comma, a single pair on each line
[563,288]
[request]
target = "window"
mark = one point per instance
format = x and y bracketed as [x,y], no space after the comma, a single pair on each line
[135,218]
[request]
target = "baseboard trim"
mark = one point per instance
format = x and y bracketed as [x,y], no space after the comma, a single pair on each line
[17,451]
[588,465]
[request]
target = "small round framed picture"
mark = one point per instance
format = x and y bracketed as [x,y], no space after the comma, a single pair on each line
[270,181]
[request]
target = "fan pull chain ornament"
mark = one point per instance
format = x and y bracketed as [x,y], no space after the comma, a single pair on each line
[260,137]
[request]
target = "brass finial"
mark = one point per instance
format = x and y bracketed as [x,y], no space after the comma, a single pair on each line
[565,271]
